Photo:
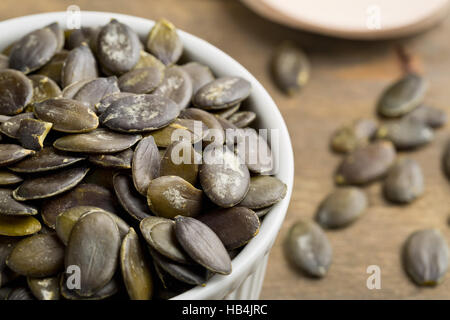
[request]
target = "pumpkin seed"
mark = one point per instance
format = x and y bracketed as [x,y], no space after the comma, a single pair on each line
[53,69]
[262,212]
[32,133]
[129,198]
[185,129]
[67,219]
[404,182]
[10,207]
[33,51]
[242,119]
[135,269]
[366,164]
[406,134]
[121,160]
[148,60]
[80,65]
[66,115]
[290,68]
[177,86]
[254,150]
[109,290]
[107,100]
[139,113]
[50,185]
[83,35]
[224,179]
[215,134]
[45,160]
[163,42]
[44,88]
[94,90]
[4,61]
[202,244]
[41,255]
[179,160]
[309,248]
[18,226]
[11,153]
[235,226]
[145,164]
[426,257]
[222,93]
[11,126]
[341,207]
[142,80]
[93,246]
[44,288]
[16,91]
[200,74]
[8,178]
[7,245]
[227,112]
[264,191]
[118,47]
[348,138]
[402,96]
[59,34]
[20,293]
[98,141]
[71,90]
[429,116]
[4,292]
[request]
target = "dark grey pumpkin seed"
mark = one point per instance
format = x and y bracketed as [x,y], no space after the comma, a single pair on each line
[66,115]
[426,257]
[129,198]
[32,133]
[404,182]
[180,129]
[264,191]
[366,164]
[145,164]
[215,134]
[402,96]
[254,150]
[71,90]
[33,51]
[107,100]
[406,134]
[135,269]
[222,93]
[348,138]
[429,116]
[4,292]
[177,86]
[18,226]
[224,179]
[121,160]
[53,69]
[163,42]
[8,178]
[202,244]
[50,185]
[7,245]
[10,207]
[41,255]
[16,91]
[44,88]
[341,207]
[45,160]
[142,80]
[242,119]
[309,248]
[227,112]
[11,153]
[86,35]
[234,226]
[67,219]
[180,160]
[59,34]
[139,113]
[98,141]
[148,60]
[262,212]
[94,90]
[44,288]
[93,246]
[20,293]
[290,68]
[12,125]
[200,74]
[118,47]
[109,290]
[80,65]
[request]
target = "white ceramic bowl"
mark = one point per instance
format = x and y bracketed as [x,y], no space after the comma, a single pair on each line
[249,266]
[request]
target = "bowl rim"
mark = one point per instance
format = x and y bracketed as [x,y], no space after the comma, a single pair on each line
[271,224]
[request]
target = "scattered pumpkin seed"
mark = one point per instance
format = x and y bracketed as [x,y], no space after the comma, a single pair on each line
[348,138]
[404,182]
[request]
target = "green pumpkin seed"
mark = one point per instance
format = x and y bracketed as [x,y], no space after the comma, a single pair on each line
[170,196]
[18,226]
[426,257]
[200,75]
[93,246]
[67,219]
[290,68]
[98,141]
[135,269]
[33,51]
[41,255]
[32,133]
[20,293]
[16,91]
[50,185]
[341,207]
[222,93]
[11,126]
[129,198]
[163,42]
[44,288]
[402,96]
[406,134]
[179,160]
[180,129]
[10,207]
[66,115]
[202,244]
[348,138]
[80,65]
[121,160]
[44,88]
[45,160]
[309,248]
[215,134]
[93,91]
[8,178]
[429,116]
[107,100]
[139,113]
[118,47]
[59,34]
[53,69]
[142,80]
[366,164]
[404,182]
[145,165]
[148,60]
[242,119]
[11,153]
[264,191]
[235,226]
[177,86]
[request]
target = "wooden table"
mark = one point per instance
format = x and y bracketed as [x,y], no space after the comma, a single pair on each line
[347,77]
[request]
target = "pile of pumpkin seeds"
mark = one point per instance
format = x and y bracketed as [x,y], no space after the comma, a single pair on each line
[93,203]
[370,150]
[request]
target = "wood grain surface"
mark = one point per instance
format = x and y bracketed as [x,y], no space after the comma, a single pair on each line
[347,78]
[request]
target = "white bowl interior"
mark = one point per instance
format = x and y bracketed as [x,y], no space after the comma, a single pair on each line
[259,101]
